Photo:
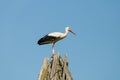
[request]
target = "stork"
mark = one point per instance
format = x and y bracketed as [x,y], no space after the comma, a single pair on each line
[53,37]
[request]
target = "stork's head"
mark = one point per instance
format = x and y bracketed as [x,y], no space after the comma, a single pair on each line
[69,30]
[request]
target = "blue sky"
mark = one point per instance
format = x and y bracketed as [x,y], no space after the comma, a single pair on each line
[94,54]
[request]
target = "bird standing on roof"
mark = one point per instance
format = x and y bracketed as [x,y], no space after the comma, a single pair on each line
[53,37]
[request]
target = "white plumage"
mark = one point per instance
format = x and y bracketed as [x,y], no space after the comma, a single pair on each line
[54,37]
[56,34]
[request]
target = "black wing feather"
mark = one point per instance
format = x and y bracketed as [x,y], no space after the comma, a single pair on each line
[46,40]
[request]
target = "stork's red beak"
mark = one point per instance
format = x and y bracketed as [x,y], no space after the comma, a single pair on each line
[72,32]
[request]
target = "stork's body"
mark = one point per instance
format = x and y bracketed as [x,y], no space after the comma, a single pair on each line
[54,37]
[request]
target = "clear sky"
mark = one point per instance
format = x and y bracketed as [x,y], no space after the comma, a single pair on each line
[94,54]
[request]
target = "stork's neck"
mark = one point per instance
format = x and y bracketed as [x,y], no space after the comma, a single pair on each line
[66,33]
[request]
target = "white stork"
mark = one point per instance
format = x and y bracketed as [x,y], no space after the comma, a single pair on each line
[54,37]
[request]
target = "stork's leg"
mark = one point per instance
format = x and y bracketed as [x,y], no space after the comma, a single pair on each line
[53,48]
